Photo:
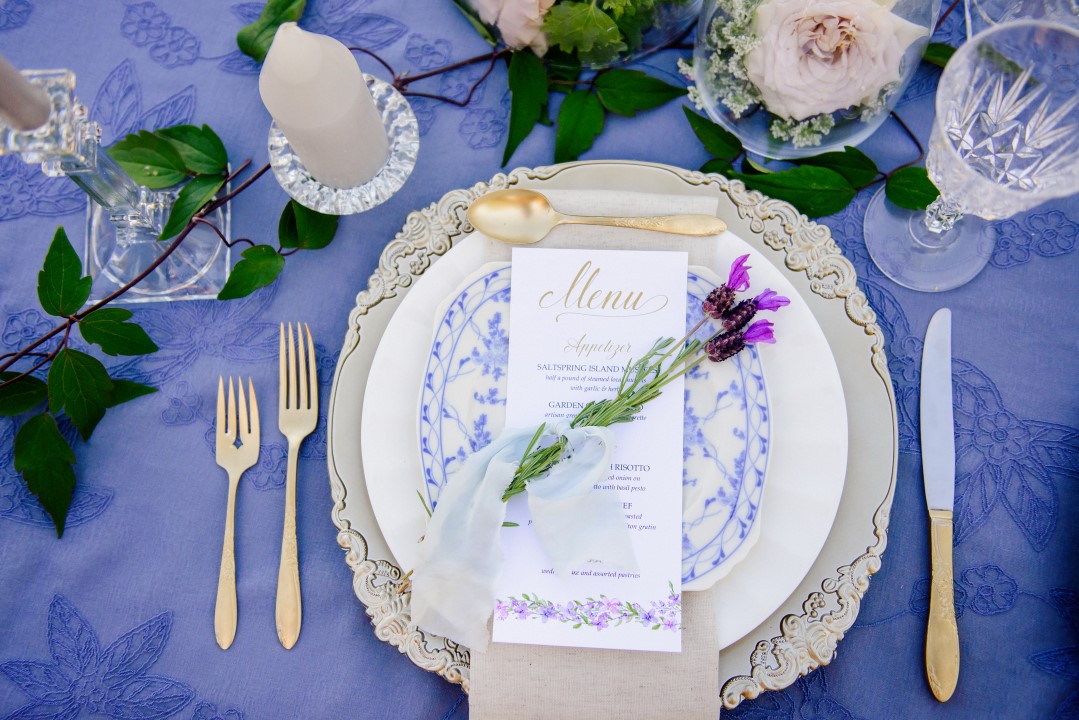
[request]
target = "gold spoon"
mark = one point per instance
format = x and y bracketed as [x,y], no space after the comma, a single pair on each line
[523,217]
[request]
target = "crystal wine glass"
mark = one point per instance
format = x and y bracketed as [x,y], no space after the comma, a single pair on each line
[981,14]
[1005,139]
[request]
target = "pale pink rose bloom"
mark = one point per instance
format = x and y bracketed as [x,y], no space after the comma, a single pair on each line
[819,57]
[520,22]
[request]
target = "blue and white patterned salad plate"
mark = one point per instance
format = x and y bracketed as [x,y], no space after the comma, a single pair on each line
[726,429]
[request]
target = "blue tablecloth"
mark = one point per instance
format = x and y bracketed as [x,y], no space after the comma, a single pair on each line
[125,599]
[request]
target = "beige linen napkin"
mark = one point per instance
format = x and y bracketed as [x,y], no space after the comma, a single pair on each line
[551,683]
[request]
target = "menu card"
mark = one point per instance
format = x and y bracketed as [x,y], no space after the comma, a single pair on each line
[577,318]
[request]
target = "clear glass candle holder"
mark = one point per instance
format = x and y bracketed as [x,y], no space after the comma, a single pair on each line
[403,133]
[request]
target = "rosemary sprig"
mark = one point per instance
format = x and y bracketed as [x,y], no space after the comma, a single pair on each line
[642,380]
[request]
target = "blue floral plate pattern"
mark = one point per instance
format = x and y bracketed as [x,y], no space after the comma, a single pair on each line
[726,427]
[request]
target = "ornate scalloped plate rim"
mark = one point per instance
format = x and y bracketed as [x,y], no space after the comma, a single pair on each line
[805,641]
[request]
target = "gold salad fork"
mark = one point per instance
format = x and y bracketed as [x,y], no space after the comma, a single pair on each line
[297,416]
[235,459]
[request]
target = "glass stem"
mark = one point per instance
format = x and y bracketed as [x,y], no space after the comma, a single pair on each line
[942,215]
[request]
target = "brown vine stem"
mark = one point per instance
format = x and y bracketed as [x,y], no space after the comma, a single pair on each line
[402,81]
[944,16]
[208,208]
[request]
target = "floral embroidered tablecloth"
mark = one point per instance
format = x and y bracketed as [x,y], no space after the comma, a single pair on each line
[115,619]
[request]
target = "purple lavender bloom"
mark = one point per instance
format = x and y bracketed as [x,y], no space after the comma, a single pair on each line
[674,598]
[649,617]
[759,332]
[770,300]
[502,610]
[615,606]
[548,612]
[601,621]
[670,624]
[738,280]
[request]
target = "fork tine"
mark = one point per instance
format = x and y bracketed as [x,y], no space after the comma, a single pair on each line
[220,406]
[230,420]
[312,369]
[244,424]
[255,432]
[293,388]
[282,378]
[301,374]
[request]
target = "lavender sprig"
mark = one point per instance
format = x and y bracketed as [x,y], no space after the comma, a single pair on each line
[643,380]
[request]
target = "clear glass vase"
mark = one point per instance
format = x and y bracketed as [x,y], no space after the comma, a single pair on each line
[520,25]
[794,78]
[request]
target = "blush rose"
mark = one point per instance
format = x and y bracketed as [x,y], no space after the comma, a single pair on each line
[520,22]
[818,57]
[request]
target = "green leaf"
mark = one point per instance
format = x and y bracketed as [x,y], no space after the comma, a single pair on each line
[852,163]
[80,385]
[528,96]
[108,327]
[125,390]
[260,266]
[627,92]
[255,39]
[150,160]
[193,195]
[911,188]
[721,167]
[201,148]
[302,227]
[44,458]
[584,28]
[580,120]
[61,288]
[752,167]
[938,53]
[21,395]
[717,141]
[474,21]
[814,191]
[635,21]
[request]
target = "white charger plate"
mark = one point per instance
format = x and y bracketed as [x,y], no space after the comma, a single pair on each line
[726,456]
[804,631]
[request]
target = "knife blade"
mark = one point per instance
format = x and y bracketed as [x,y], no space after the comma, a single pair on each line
[938,472]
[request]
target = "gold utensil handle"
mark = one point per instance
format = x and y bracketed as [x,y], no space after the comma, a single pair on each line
[225,611]
[289,611]
[942,633]
[695,225]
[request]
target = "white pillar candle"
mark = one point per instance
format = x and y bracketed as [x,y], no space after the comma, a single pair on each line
[316,93]
[23,106]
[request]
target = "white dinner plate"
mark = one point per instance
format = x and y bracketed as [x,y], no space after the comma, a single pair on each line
[808,454]
[804,631]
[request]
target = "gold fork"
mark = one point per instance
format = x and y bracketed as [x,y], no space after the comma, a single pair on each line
[297,416]
[235,460]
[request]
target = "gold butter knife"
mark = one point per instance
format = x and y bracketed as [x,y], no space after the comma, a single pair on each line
[938,471]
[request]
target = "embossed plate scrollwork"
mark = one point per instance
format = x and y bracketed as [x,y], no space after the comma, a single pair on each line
[804,632]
